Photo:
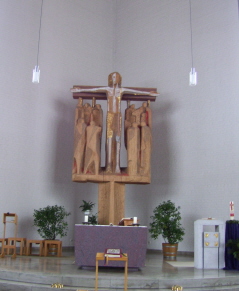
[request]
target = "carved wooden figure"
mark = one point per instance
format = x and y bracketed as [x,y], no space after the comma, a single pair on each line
[145,149]
[97,115]
[148,115]
[79,146]
[92,153]
[137,114]
[129,119]
[133,149]
[87,113]
[79,112]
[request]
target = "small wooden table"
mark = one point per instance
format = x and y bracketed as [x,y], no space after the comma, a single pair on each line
[39,242]
[21,240]
[8,247]
[101,257]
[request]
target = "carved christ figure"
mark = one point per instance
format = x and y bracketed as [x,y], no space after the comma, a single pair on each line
[114,93]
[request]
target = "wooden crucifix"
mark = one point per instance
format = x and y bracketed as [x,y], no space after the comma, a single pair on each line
[112,179]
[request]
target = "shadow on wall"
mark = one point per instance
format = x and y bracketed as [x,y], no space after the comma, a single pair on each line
[25,227]
[64,139]
[162,153]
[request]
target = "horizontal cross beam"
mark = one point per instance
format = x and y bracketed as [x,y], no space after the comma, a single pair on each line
[125,97]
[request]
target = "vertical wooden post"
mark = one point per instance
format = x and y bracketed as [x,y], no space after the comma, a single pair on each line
[111,200]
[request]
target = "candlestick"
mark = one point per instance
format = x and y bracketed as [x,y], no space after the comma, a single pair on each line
[231,210]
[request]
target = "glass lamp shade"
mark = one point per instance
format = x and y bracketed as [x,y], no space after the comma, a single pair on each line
[192,77]
[36,75]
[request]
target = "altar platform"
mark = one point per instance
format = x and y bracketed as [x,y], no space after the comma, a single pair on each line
[34,273]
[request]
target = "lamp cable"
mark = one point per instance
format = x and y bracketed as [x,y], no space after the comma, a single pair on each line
[193,73]
[191,31]
[39,34]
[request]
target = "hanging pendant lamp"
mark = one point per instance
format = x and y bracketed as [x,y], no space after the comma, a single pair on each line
[36,70]
[193,73]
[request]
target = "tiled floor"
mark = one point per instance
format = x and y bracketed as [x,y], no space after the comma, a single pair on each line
[39,273]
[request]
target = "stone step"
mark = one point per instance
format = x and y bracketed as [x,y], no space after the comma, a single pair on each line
[33,282]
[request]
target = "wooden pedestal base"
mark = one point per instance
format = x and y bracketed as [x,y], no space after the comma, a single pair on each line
[111,192]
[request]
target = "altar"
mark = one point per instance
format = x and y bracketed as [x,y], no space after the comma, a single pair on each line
[92,239]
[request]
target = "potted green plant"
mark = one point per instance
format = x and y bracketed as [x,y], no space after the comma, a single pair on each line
[166,221]
[93,219]
[87,207]
[233,247]
[51,222]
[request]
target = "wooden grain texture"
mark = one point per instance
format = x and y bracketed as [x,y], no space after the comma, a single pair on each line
[88,132]
[111,200]
[102,96]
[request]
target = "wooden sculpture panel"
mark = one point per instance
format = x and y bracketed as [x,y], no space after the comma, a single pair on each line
[88,134]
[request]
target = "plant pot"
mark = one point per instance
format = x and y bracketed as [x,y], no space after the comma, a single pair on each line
[53,247]
[52,251]
[86,218]
[87,212]
[170,250]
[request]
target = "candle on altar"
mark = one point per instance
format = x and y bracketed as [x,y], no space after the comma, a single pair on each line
[231,210]
[86,218]
[135,220]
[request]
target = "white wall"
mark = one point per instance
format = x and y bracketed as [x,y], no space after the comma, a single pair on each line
[37,120]
[196,143]
[195,135]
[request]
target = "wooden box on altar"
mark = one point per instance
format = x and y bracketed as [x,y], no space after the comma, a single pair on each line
[128,221]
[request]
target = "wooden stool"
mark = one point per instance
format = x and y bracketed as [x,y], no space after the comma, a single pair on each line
[21,240]
[39,242]
[101,257]
[3,241]
[7,247]
[53,246]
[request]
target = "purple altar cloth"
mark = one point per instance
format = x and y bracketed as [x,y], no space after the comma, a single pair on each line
[92,239]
